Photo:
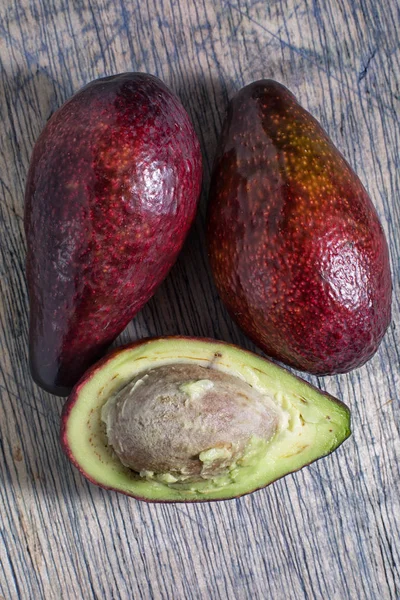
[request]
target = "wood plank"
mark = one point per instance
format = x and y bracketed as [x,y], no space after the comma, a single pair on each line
[329,531]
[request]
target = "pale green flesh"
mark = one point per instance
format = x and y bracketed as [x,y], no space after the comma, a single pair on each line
[312,424]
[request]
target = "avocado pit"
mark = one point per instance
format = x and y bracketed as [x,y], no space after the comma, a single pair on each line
[186,423]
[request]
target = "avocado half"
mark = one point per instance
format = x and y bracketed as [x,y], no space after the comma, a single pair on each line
[311,423]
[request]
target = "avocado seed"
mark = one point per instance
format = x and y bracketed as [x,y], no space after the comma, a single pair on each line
[186,421]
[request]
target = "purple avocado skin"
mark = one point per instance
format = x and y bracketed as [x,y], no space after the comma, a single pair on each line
[112,191]
[297,251]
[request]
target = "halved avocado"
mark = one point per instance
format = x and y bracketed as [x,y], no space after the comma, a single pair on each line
[303,423]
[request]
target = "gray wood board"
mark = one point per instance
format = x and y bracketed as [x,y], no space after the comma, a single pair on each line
[328,531]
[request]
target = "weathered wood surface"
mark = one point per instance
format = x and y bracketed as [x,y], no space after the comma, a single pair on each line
[330,531]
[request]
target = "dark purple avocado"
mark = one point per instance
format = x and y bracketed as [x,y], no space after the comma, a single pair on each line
[297,251]
[112,191]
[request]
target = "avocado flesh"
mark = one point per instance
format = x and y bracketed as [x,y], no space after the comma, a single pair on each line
[311,423]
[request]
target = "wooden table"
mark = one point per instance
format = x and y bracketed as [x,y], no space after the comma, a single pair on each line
[330,531]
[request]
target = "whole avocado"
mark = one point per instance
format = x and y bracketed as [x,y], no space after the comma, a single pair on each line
[297,251]
[112,190]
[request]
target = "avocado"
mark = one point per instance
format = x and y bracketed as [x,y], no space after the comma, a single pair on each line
[296,248]
[180,419]
[112,190]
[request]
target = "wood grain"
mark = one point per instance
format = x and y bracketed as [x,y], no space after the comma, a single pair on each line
[330,531]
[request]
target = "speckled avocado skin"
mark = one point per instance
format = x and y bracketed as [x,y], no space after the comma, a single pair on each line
[295,245]
[111,192]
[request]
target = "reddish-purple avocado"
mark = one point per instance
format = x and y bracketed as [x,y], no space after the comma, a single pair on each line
[297,251]
[111,193]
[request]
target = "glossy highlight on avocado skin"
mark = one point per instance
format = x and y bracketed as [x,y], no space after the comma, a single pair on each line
[296,248]
[112,190]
